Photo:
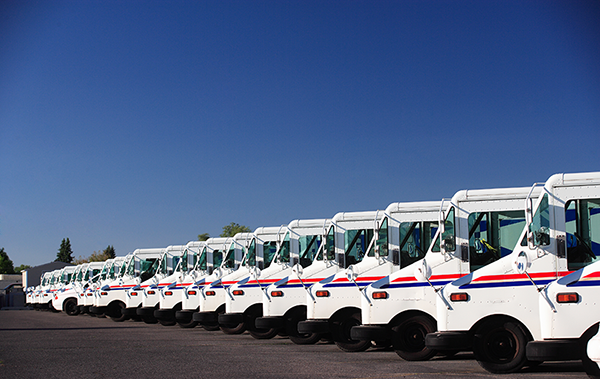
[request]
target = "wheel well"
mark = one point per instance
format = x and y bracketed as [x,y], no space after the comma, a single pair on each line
[501,318]
[410,313]
[220,308]
[254,308]
[295,309]
[592,330]
[344,311]
[115,302]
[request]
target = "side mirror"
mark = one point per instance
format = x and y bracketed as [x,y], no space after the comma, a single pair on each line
[331,253]
[521,263]
[423,271]
[383,250]
[256,273]
[298,270]
[351,274]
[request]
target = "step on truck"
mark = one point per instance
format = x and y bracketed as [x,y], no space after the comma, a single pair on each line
[477,228]
[495,311]
[171,297]
[347,239]
[404,231]
[211,257]
[106,297]
[212,296]
[300,246]
[245,306]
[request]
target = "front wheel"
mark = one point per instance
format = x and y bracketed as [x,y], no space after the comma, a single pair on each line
[499,346]
[408,338]
[591,367]
[114,312]
[291,327]
[250,321]
[188,324]
[71,307]
[340,331]
[167,322]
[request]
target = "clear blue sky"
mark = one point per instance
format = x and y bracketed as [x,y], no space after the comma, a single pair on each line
[145,123]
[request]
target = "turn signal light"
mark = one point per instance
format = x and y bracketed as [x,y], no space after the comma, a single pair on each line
[460,296]
[238,293]
[570,297]
[103,293]
[322,293]
[277,293]
[133,294]
[151,292]
[210,293]
[168,293]
[191,292]
[80,294]
[90,294]
[380,295]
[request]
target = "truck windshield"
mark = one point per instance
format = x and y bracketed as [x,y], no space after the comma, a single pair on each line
[415,238]
[493,235]
[283,255]
[148,268]
[217,258]
[448,236]
[583,232]
[201,261]
[250,258]
[230,258]
[269,251]
[356,242]
[309,247]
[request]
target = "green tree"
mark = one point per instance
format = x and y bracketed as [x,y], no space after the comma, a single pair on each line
[65,254]
[6,265]
[203,236]
[233,229]
[20,268]
[109,252]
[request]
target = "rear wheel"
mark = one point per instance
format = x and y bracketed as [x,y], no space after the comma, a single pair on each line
[408,338]
[340,331]
[291,327]
[499,346]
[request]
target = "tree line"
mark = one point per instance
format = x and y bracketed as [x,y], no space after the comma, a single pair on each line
[65,252]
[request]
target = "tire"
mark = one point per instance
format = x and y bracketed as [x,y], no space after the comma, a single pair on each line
[250,316]
[187,325]
[114,312]
[408,337]
[591,368]
[70,307]
[291,328]
[237,329]
[149,319]
[499,346]
[340,331]
[167,322]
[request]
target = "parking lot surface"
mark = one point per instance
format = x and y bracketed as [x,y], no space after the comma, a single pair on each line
[53,345]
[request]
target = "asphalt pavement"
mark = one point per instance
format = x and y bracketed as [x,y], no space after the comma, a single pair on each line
[36,344]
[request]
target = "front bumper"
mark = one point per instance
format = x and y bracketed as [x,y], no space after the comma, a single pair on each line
[228,319]
[98,310]
[313,326]
[165,314]
[206,317]
[131,312]
[457,341]
[370,333]
[555,350]
[269,322]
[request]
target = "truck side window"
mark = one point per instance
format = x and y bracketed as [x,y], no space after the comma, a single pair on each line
[582,219]
[493,235]
[356,242]
[382,240]
[309,246]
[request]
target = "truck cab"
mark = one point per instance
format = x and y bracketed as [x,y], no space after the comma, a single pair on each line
[266,261]
[107,296]
[478,227]
[495,311]
[403,231]
[211,256]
